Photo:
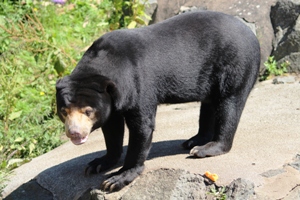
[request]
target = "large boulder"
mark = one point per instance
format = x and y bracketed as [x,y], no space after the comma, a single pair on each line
[166,183]
[285,18]
[240,189]
[253,11]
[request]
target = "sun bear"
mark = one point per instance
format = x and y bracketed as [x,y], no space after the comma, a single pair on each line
[199,56]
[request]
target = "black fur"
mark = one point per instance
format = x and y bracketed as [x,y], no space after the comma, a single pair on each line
[202,56]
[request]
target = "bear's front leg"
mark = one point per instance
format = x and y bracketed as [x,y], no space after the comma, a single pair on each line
[121,178]
[113,131]
[141,125]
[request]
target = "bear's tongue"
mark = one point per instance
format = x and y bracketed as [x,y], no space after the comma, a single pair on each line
[79,140]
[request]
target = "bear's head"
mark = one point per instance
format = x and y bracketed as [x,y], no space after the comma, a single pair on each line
[84,104]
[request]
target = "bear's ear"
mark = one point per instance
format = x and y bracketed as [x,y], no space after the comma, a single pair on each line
[112,90]
[62,83]
[63,91]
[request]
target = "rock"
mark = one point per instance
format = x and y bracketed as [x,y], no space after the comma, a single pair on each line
[284,79]
[294,194]
[151,7]
[184,9]
[174,184]
[92,194]
[284,14]
[296,163]
[249,24]
[167,184]
[159,184]
[285,18]
[293,60]
[272,172]
[256,12]
[240,189]
[279,37]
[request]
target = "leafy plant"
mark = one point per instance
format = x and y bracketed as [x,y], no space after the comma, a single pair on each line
[218,193]
[4,173]
[39,43]
[273,69]
[128,14]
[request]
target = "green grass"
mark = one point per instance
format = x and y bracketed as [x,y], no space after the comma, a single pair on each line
[39,43]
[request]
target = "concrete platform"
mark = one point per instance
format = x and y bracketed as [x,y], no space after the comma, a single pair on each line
[267,138]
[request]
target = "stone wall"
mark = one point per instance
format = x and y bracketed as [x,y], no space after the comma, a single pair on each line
[277,23]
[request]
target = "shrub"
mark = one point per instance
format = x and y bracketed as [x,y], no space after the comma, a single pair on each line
[273,69]
[39,43]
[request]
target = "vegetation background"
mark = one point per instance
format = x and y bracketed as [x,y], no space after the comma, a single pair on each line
[41,41]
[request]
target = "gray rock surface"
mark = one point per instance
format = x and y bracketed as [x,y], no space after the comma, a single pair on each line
[272,172]
[150,9]
[281,179]
[294,194]
[92,194]
[285,18]
[173,184]
[267,138]
[284,79]
[240,189]
[284,14]
[277,23]
[252,11]
[165,184]
[293,59]
[184,9]
[296,163]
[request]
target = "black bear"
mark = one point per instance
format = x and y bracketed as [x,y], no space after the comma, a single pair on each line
[199,56]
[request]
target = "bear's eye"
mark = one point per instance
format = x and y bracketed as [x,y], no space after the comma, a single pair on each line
[63,111]
[88,111]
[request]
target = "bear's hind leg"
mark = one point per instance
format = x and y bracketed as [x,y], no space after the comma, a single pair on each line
[206,127]
[227,117]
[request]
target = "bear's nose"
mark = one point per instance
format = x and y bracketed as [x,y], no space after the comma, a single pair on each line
[74,132]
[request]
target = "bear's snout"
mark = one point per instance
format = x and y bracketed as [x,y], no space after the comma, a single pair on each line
[78,126]
[76,137]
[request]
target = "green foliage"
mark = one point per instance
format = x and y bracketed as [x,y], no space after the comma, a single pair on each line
[29,58]
[39,43]
[218,193]
[4,173]
[128,14]
[273,69]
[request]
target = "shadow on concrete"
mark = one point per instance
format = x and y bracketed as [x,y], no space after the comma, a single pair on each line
[166,148]
[67,180]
